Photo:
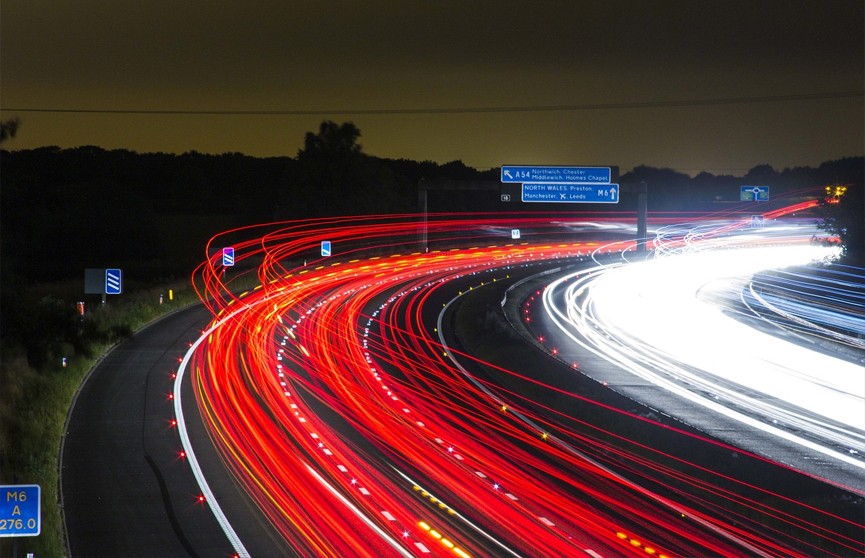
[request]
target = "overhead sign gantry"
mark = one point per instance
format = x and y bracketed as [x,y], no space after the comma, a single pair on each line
[572,184]
[563,184]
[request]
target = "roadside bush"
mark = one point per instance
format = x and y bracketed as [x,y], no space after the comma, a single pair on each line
[37,389]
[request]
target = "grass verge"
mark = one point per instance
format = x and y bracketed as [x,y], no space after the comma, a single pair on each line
[35,403]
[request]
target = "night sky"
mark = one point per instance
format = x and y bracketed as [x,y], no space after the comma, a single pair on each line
[637,82]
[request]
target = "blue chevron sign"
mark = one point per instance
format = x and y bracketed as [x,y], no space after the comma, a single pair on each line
[113,281]
[228,256]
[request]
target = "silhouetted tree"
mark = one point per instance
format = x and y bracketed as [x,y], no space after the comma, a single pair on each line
[845,217]
[667,188]
[9,128]
[761,175]
[334,177]
[333,141]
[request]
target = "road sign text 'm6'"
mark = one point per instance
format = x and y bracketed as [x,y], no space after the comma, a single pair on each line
[570,193]
[20,510]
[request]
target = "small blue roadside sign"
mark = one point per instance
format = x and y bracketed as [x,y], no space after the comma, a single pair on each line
[754,193]
[325,248]
[558,175]
[113,281]
[20,510]
[571,193]
[228,256]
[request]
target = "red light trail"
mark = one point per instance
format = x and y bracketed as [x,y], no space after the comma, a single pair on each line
[336,407]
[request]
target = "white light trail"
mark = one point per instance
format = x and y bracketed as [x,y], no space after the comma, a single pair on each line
[209,496]
[656,319]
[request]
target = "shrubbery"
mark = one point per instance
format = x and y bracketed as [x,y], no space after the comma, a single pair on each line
[38,389]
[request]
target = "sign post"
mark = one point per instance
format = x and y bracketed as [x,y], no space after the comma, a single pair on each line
[103,281]
[544,184]
[20,510]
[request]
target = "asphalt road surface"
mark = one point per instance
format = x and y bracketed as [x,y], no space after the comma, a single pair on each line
[125,489]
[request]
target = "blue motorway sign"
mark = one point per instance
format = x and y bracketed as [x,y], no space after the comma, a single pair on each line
[558,175]
[228,256]
[20,510]
[113,282]
[571,193]
[325,248]
[754,193]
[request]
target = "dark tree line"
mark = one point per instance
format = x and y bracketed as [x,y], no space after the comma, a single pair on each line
[64,210]
[675,191]
[844,216]
[151,213]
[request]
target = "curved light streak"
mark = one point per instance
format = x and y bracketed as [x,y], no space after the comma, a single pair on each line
[209,496]
[653,319]
[326,381]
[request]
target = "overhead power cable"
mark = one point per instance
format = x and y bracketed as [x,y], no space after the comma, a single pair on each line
[461,110]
